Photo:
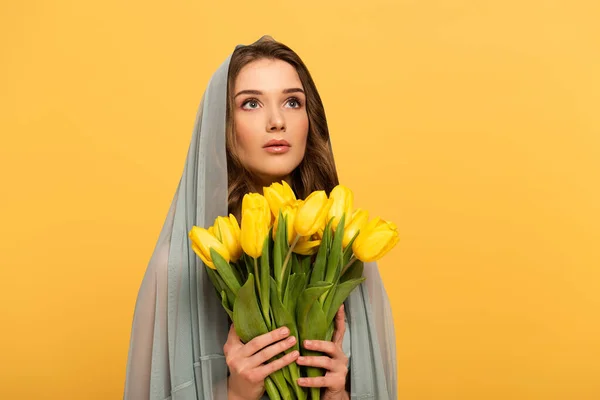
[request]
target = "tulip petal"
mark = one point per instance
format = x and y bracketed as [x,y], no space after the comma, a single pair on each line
[307,247]
[375,246]
[199,253]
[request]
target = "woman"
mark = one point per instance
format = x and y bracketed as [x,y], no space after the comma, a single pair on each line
[261,120]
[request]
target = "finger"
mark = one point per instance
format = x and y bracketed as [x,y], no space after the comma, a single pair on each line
[327,363]
[340,325]
[233,335]
[271,351]
[278,364]
[322,345]
[233,342]
[262,341]
[330,381]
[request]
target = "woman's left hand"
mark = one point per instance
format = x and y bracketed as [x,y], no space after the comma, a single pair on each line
[334,362]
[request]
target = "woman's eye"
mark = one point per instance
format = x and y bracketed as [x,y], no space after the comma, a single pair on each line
[251,103]
[294,103]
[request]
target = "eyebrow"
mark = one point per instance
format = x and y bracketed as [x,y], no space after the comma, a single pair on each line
[258,92]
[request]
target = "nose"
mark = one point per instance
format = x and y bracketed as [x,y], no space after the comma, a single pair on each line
[276,122]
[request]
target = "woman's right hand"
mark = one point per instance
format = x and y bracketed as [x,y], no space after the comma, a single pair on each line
[246,362]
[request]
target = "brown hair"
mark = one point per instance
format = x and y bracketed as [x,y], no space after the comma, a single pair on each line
[317,169]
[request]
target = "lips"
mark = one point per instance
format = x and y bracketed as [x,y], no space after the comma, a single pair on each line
[277,143]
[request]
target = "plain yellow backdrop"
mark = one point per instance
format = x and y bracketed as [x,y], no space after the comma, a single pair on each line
[474,125]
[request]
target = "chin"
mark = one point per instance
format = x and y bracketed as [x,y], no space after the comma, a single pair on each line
[276,174]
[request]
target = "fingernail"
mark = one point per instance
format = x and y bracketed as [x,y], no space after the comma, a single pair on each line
[301,359]
[284,331]
[307,342]
[294,353]
[292,340]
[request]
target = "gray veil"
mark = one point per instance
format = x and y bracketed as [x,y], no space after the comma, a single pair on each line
[179,327]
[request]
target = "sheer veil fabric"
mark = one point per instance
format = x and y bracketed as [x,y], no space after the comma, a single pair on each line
[179,327]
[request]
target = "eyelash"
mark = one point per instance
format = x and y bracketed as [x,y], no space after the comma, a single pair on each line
[297,100]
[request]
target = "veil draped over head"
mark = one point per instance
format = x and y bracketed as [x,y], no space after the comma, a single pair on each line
[179,326]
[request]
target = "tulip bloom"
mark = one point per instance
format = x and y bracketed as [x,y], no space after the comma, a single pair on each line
[357,222]
[375,240]
[258,201]
[312,213]
[307,247]
[203,241]
[279,195]
[254,231]
[289,214]
[342,200]
[228,232]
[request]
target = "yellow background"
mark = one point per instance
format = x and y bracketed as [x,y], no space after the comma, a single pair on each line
[474,125]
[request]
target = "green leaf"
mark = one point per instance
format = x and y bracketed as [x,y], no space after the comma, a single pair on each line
[226,305]
[305,264]
[271,389]
[342,291]
[225,271]
[278,252]
[354,271]
[265,276]
[237,274]
[230,296]
[318,271]
[348,250]
[313,327]
[334,262]
[284,318]
[295,287]
[249,262]
[281,384]
[296,266]
[328,298]
[309,314]
[212,275]
[247,317]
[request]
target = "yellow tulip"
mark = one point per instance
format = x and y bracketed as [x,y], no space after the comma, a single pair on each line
[307,247]
[278,195]
[203,241]
[342,199]
[256,201]
[289,213]
[312,213]
[254,231]
[357,222]
[375,240]
[227,230]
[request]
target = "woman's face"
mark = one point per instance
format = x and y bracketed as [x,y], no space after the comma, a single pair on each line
[270,119]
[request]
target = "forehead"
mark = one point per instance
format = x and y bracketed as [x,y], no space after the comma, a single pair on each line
[267,75]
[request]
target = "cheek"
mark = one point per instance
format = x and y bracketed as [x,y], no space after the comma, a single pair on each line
[303,133]
[244,136]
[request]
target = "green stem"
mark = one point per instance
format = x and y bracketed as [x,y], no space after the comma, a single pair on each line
[288,256]
[352,259]
[257,277]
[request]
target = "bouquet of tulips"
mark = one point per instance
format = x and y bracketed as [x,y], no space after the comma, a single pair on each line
[291,263]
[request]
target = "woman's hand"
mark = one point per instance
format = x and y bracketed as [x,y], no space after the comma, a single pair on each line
[336,364]
[246,362]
